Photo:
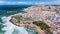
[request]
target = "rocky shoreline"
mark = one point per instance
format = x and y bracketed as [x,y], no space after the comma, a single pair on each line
[47,14]
[40,24]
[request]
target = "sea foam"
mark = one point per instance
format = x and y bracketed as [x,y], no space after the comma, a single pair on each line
[11,28]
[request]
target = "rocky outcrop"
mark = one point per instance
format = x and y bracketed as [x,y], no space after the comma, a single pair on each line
[46,14]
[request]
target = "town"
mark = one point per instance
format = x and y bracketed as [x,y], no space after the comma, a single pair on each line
[49,15]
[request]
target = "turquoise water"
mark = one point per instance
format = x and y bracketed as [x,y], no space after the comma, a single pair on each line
[7,27]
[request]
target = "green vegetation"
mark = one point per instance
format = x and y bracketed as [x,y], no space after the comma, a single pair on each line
[43,26]
[18,18]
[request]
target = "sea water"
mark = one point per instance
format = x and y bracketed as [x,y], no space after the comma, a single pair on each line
[6,27]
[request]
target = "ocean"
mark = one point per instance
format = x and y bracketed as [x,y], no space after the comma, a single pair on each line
[6,27]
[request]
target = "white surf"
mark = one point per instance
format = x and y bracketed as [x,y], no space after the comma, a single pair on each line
[11,28]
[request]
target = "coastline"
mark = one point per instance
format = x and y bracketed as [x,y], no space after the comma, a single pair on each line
[35,13]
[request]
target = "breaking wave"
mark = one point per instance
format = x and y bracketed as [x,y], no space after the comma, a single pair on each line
[11,28]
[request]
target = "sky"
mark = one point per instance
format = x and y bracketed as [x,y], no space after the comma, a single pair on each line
[18,2]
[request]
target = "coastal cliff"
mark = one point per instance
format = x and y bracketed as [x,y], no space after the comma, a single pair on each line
[44,15]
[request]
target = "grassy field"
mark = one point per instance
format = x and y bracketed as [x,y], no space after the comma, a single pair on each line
[43,26]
